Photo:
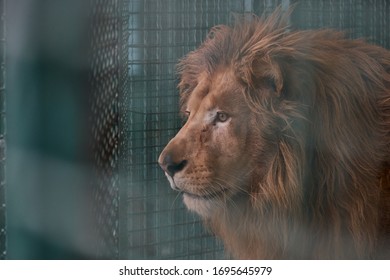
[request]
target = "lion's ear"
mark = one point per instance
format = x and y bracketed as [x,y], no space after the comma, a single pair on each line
[263,73]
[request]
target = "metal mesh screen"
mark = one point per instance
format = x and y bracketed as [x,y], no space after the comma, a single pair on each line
[106,81]
[359,18]
[136,45]
[2,132]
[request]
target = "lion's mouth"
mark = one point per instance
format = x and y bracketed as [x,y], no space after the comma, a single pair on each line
[207,196]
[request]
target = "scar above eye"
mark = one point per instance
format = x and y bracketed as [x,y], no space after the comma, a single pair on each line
[210,115]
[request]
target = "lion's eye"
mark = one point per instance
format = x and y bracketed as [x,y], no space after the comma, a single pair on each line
[222,117]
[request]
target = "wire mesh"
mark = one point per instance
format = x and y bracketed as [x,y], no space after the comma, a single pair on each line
[358,18]
[2,133]
[105,87]
[267,7]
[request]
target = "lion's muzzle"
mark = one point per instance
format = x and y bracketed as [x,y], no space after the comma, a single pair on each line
[171,163]
[170,166]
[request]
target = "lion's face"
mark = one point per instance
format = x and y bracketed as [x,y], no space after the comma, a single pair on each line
[210,158]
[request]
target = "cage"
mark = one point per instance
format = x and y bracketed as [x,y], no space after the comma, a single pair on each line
[121,88]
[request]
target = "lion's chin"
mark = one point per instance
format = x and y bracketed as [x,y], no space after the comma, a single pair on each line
[202,206]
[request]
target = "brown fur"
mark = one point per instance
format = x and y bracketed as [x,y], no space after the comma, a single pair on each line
[305,172]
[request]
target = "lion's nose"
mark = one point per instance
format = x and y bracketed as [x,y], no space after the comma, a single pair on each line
[171,166]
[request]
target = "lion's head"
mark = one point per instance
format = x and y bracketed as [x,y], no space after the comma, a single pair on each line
[285,147]
[211,158]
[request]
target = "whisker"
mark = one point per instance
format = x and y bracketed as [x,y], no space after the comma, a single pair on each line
[174,201]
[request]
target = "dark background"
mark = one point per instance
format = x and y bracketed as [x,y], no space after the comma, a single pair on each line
[91,101]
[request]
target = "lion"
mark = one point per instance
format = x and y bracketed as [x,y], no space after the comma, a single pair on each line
[285,147]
